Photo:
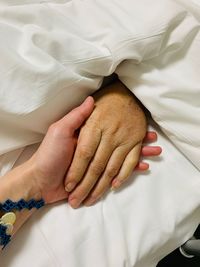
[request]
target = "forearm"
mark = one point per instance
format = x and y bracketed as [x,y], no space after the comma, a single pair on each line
[15,185]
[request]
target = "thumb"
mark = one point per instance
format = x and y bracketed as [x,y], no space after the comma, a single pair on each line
[74,119]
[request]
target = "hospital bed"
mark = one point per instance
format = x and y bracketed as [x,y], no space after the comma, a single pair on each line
[54,54]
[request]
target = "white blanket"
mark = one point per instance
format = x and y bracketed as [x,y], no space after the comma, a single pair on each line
[54,54]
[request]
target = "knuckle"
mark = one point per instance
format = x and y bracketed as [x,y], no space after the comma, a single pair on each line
[85,152]
[112,171]
[55,130]
[74,174]
[97,169]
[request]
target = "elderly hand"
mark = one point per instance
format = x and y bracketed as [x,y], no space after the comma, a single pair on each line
[109,146]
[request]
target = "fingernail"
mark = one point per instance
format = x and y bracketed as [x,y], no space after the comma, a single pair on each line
[70,186]
[90,201]
[116,184]
[74,202]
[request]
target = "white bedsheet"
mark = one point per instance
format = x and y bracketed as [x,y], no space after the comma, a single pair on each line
[54,54]
[137,226]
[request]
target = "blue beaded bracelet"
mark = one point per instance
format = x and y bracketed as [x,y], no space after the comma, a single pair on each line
[8,219]
[10,205]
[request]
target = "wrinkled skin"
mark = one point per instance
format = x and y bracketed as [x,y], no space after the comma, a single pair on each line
[109,145]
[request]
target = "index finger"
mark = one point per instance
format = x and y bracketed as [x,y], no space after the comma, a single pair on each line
[74,119]
[88,143]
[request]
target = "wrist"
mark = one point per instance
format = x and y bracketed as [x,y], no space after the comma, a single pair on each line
[27,181]
[19,183]
[118,93]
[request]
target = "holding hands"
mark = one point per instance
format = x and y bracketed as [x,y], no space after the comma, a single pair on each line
[106,151]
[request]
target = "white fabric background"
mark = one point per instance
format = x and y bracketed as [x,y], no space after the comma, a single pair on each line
[54,54]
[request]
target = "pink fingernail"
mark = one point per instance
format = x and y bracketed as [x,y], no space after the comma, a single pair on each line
[74,202]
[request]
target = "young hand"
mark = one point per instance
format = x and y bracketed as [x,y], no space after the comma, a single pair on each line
[52,159]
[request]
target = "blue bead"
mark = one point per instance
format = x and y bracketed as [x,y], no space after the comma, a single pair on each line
[31,204]
[8,205]
[21,204]
[39,204]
